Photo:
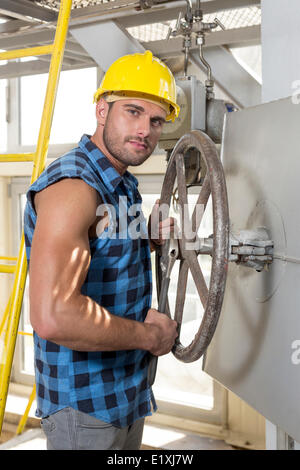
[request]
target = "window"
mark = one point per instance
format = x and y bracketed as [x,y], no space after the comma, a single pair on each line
[74,109]
[3,119]
[23,367]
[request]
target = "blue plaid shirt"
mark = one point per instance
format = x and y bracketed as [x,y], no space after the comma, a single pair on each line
[111,386]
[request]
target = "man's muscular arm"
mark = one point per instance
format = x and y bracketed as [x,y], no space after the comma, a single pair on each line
[59,263]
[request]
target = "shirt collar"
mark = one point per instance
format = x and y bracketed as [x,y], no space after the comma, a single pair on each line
[110,175]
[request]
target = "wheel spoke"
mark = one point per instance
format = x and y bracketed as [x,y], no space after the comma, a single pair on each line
[181,182]
[186,225]
[197,276]
[201,203]
[181,291]
[190,254]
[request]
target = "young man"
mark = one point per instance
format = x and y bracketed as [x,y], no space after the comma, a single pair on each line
[90,288]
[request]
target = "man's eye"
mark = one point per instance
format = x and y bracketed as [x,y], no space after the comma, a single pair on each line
[134,112]
[157,123]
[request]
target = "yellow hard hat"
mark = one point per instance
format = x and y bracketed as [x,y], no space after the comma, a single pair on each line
[141,76]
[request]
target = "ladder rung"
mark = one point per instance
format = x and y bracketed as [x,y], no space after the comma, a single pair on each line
[9,258]
[28,52]
[6,268]
[17,157]
[24,333]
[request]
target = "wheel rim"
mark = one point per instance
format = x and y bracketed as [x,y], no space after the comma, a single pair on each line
[212,297]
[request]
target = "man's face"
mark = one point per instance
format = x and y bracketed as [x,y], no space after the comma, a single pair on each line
[132,129]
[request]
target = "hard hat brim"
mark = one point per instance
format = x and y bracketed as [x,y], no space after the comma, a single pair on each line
[174,109]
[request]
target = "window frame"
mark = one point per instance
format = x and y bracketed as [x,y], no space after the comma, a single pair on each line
[19,186]
[14,144]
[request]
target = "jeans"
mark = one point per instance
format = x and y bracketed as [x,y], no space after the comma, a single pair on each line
[69,429]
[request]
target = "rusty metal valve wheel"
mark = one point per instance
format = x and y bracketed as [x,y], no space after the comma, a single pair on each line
[212,298]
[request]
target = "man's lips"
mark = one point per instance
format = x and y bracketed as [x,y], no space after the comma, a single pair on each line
[138,145]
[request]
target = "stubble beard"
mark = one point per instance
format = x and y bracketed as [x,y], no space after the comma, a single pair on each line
[115,146]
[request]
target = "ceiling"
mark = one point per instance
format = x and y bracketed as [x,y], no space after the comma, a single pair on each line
[28,23]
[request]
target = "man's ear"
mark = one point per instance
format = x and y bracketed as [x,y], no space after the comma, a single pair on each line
[102,108]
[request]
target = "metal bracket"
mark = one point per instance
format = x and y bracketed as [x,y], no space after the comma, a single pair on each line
[251,248]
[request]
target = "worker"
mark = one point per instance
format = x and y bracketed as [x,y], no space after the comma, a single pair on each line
[90,292]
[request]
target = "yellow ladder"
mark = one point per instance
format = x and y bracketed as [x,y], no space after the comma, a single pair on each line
[10,320]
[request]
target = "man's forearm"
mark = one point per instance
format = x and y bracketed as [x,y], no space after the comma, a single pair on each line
[83,325]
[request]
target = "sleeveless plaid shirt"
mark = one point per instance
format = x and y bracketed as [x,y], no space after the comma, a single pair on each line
[111,386]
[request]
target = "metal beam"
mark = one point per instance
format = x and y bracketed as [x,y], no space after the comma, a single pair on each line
[29,38]
[250,35]
[230,76]
[69,59]
[24,9]
[75,48]
[164,12]
[122,10]
[13,25]
[35,67]
[95,38]
[26,39]
[221,5]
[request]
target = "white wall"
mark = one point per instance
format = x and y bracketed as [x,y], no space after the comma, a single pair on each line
[280,36]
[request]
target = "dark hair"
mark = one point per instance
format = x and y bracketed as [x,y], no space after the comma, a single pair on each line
[110,103]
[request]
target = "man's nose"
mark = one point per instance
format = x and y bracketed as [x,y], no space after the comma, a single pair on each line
[144,127]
